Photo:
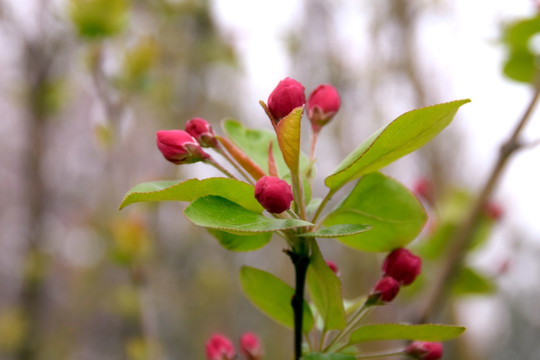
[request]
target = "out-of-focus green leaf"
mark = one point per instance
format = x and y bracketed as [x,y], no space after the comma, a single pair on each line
[470,282]
[402,136]
[218,213]
[319,356]
[288,135]
[336,231]
[189,190]
[235,242]
[424,332]
[395,214]
[521,62]
[272,296]
[325,290]
[99,18]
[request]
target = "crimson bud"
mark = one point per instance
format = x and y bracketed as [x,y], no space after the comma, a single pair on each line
[332,265]
[288,95]
[387,288]
[202,131]
[425,350]
[402,265]
[322,105]
[493,210]
[274,194]
[219,347]
[250,346]
[179,147]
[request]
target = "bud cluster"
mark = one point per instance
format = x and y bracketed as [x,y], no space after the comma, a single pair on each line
[220,347]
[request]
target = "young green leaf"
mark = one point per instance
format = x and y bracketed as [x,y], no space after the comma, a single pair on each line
[272,296]
[192,189]
[424,332]
[325,290]
[288,135]
[235,242]
[336,231]
[218,213]
[395,214]
[402,136]
[471,282]
[319,356]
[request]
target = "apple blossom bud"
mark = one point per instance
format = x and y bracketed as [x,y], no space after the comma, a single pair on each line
[202,131]
[493,210]
[332,265]
[219,347]
[423,189]
[250,346]
[425,350]
[386,288]
[179,147]
[274,194]
[402,265]
[322,105]
[288,95]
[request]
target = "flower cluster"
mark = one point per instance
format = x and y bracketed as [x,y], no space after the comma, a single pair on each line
[219,347]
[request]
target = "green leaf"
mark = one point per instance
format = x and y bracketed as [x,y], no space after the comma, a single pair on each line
[424,332]
[325,290]
[335,231]
[319,356]
[402,136]
[215,212]
[272,296]
[192,189]
[288,135]
[235,242]
[470,282]
[98,18]
[395,214]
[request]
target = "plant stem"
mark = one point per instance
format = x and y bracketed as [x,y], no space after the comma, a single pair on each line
[322,205]
[214,163]
[298,193]
[462,237]
[380,355]
[220,151]
[355,319]
[300,259]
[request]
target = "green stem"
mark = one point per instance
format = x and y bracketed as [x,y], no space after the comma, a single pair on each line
[322,205]
[220,151]
[298,195]
[215,164]
[355,319]
[380,355]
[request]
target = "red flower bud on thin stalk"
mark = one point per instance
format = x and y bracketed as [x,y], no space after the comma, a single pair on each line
[251,346]
[423,189]
[179,147]
[402,265]
[332,265]
[219,347]
[425,350]
[202,131]
[274,194]
[323,103]
[288,95]
[493,210]
[387,288]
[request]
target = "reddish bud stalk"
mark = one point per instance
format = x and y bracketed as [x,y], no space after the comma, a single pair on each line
[245,161]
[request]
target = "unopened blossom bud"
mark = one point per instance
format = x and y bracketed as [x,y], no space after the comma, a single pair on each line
[423,189]
[332,265]
[219,347]
[493,210]
[322,105]
[425,350]
[202,131]
[402,265]
[251,347]
[288,95]
[386,288]
[179,147]
[274,194]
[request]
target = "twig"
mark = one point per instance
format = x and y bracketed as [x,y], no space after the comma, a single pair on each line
[462,237]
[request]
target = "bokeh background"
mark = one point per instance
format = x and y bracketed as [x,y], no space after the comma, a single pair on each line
[84,85]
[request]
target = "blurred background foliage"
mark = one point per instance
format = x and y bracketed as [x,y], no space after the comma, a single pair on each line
[83,88]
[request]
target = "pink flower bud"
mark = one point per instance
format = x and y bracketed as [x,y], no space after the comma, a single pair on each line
[219,347]
[250,346]
[423,189]
[387,288]
[425,350]
[274,194]
[332,265]
[202,131]
[179,147]
[323,104]
[493,210]
[288,95]
[402,265]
